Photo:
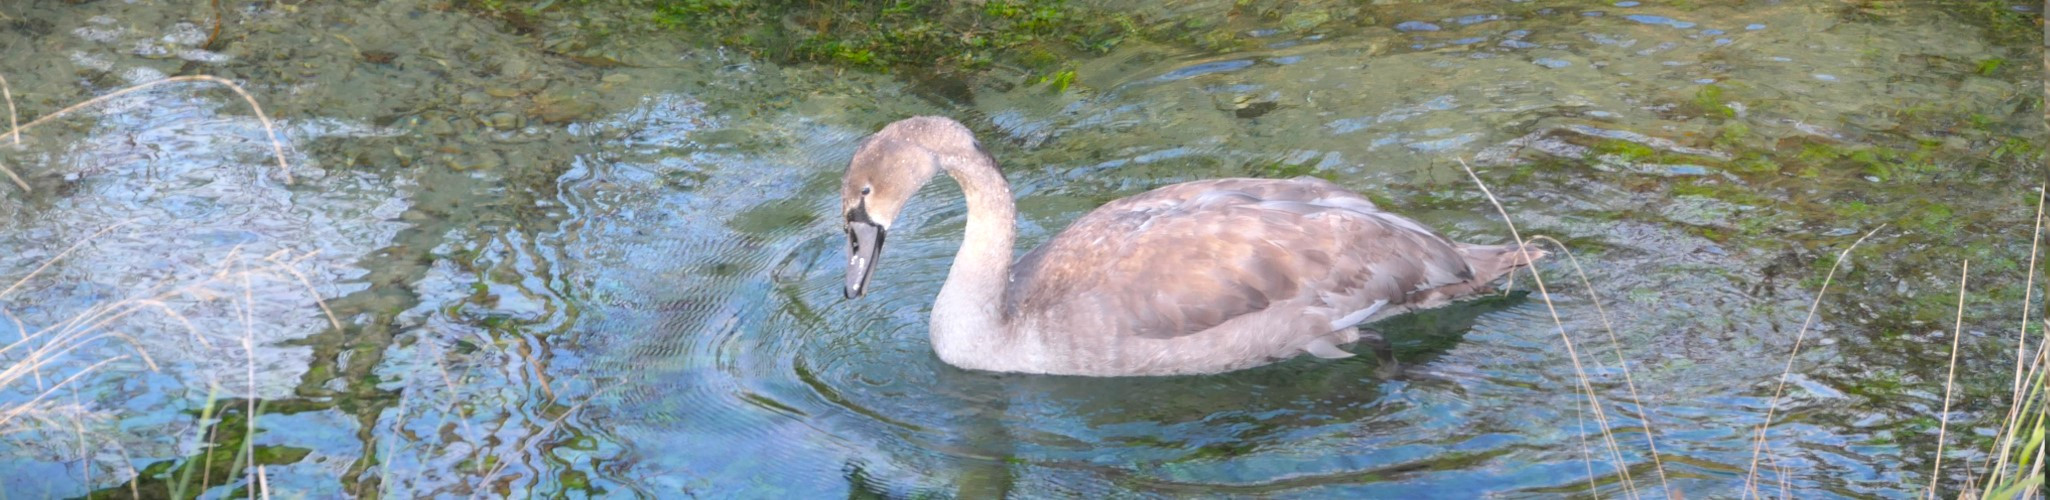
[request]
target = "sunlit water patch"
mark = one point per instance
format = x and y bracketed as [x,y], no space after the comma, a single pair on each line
[162,237]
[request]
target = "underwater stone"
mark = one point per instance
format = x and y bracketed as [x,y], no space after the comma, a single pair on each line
[563,106]
[505,121]
[1304,21]
[488,160]
[437,126]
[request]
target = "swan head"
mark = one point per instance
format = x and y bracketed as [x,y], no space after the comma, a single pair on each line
[888,167]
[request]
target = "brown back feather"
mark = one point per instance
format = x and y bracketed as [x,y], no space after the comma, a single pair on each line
[1187,257]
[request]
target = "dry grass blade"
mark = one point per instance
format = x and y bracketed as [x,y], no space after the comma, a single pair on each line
[384,479]
[18,182]
[134,474]
[98,317]
[13,130]
[190,329]
[13,120]
[2024,421]
[310,290]
[1586,457]
[270,129]
[209,434]
[132,343]
[93,324]
[1579,370]
[38,357]
[2036,470]
[2021,346]
[23,330]
[543,431]
[249,355]
[1956,334]
[455,406]
[1772,405]
[1615,345]
[60,256]
[17,410]
[84,443]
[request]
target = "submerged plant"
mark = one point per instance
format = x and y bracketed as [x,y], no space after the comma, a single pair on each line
[920,35]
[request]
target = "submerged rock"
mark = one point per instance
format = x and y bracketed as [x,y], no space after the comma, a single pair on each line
[505,121]
[556,107]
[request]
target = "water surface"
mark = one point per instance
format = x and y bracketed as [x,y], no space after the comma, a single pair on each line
[620,275]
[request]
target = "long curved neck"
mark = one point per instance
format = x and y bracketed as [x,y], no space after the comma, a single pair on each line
[968,327]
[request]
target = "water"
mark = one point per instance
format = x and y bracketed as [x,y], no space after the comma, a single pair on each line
[619,275]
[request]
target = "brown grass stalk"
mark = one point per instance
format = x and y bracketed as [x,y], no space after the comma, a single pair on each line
[1586,457]
[2030,394]
[23,331]
[60,256]
[213,431]
[1579,370]
[1615,345]
[528,442]
[270,128]
[2021,346]
[18,182]
[13,120]
[1772,405]
[249,357]
[1943,418]
[13,130]
[11,413]
[391,448]
[55,342]
[99,316]
[294,271]
[84,443]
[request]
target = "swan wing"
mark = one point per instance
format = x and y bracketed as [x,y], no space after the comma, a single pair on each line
[1184,258]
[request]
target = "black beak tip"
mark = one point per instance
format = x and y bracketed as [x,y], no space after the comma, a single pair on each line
[865,242]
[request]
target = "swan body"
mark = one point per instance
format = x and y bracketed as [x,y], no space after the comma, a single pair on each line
[1191,278]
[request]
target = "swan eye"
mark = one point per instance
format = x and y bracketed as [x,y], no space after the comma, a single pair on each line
[864,190]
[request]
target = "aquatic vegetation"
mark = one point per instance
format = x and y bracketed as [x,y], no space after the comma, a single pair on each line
[1057,81]
[1709,100]
[922,36]
[929,39]
[1989,65]
[1627,150]
[1732,134]
[2003,20]
[229,455]
[1284,170]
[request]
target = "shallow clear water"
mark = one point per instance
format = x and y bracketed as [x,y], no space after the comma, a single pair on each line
[619,275]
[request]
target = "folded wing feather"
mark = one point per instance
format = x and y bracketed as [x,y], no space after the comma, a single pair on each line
[1182,259]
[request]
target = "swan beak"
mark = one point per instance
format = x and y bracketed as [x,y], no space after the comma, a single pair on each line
[865,242]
